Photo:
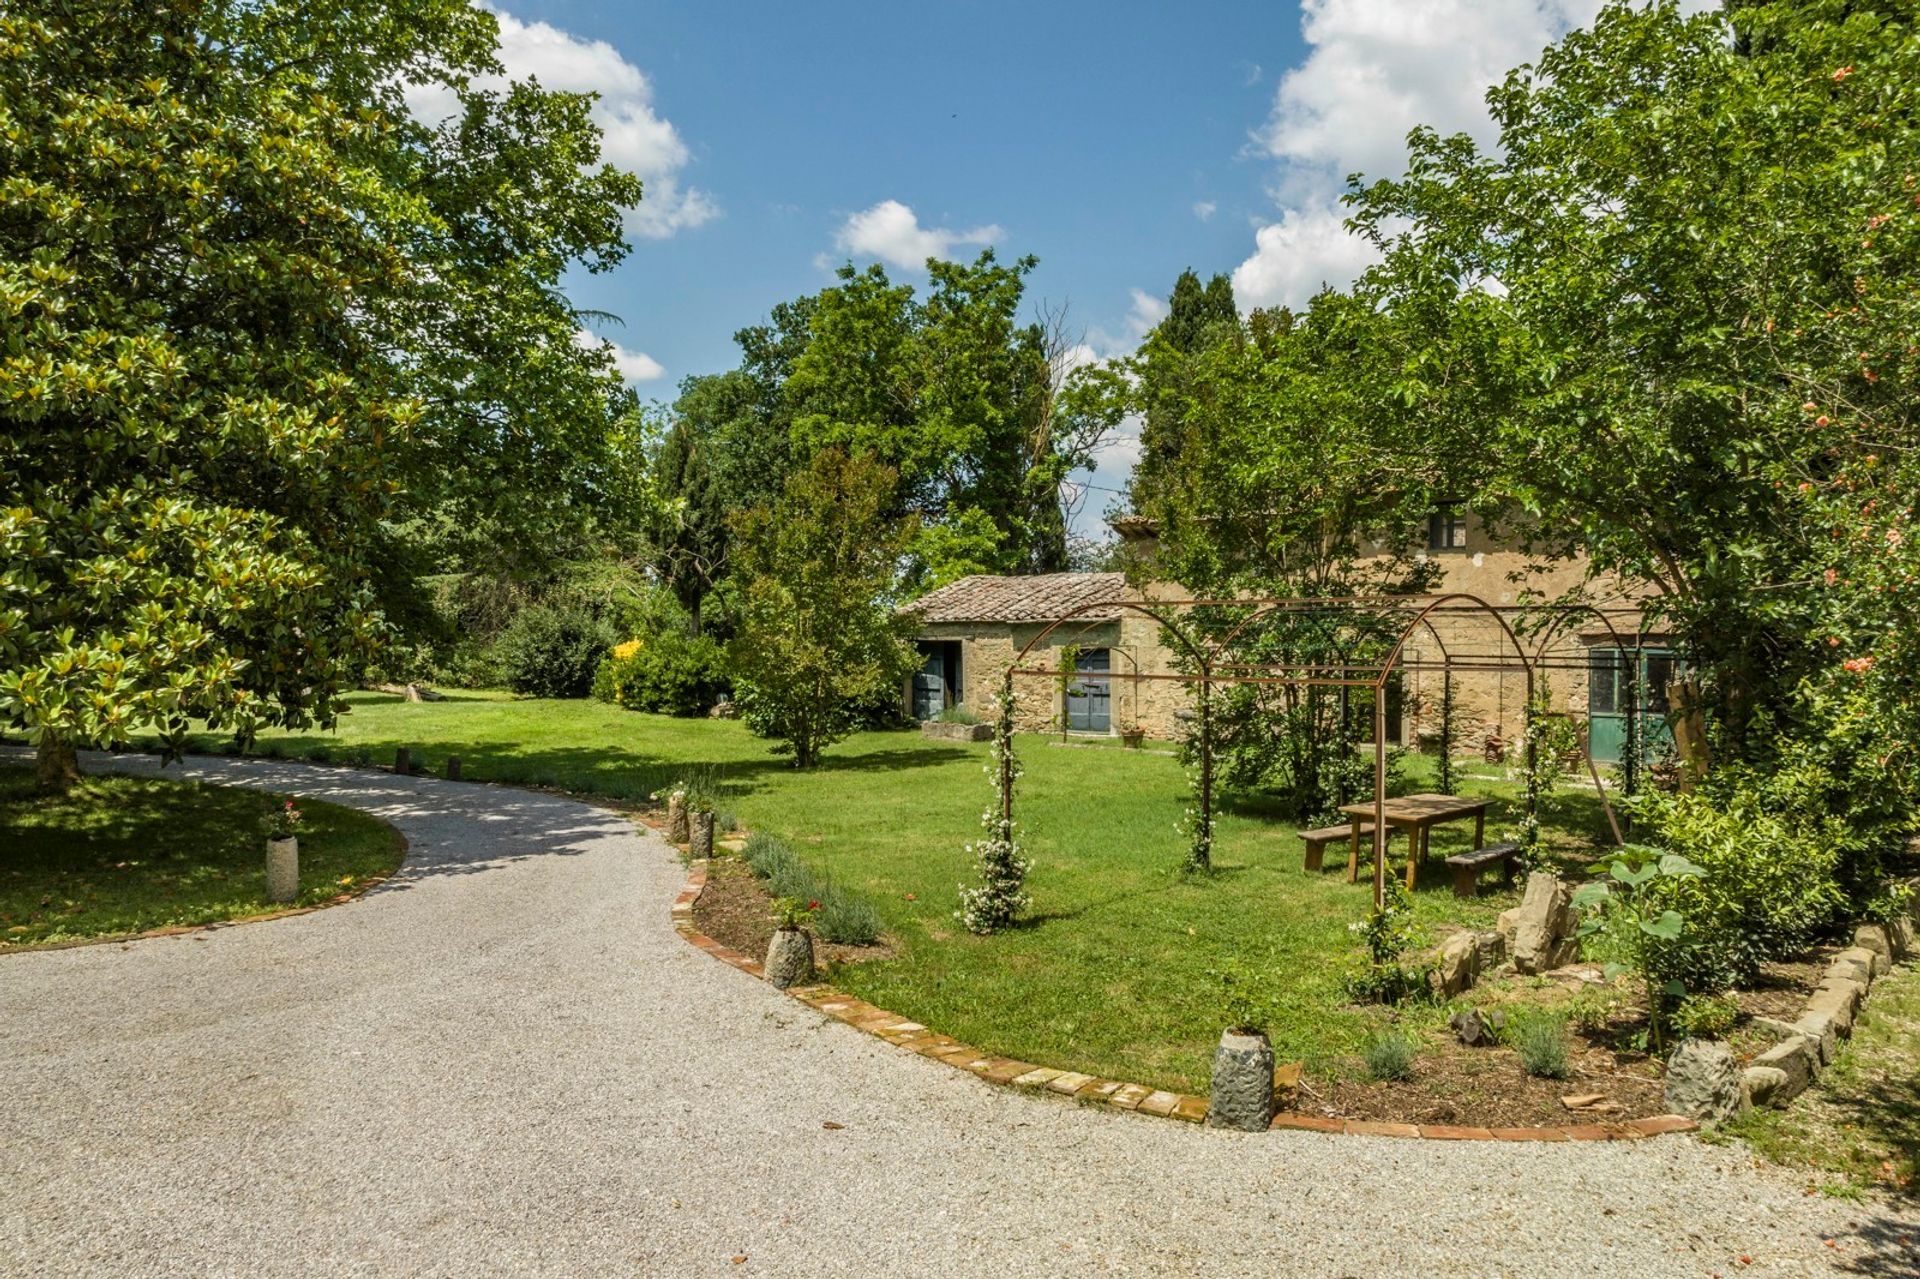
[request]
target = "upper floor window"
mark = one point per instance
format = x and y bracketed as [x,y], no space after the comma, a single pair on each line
[1447,529]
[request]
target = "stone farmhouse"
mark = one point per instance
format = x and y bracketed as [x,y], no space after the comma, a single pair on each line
[971,630]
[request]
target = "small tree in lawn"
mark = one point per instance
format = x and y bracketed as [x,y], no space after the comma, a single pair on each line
[820,642]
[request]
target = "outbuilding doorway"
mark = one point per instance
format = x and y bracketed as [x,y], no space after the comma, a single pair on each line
[936,685]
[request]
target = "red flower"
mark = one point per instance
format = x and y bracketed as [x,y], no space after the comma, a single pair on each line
[1858,665]
[1843,73]
[813,905]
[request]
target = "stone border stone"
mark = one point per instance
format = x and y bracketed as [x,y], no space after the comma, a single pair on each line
[945,731]
[903,1032]
[1810,1043]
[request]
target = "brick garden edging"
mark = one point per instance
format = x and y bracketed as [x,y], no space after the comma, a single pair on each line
[906,1033]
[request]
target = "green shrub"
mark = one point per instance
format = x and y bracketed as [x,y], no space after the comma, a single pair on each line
[841,917]
[844,918]
[552,650]
[1389,1055]
[1540,1038]
[1389,933]
[1706,1016]
[958,715]
[669,673]
[1768,885]
[1592,1010]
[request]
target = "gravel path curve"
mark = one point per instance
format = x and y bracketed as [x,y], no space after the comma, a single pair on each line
[505,1061]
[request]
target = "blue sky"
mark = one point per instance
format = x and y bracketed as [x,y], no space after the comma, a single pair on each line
[1119,143]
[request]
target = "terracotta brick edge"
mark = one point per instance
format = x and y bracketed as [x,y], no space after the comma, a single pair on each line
[904,1032]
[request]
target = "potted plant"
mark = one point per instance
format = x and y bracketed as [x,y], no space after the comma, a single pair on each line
[283,853]
[1131,735]
[1242,1093]
[790,953]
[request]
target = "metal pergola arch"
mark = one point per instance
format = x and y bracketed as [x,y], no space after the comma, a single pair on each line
[1344,674]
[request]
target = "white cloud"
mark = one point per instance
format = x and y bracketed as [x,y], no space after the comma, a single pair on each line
[1204,210]
[634,366]
[1380,67]
[636,138]
[1375,70]
[1307,249]
[891,231]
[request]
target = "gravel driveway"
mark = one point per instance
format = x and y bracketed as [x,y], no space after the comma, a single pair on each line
[505,1061]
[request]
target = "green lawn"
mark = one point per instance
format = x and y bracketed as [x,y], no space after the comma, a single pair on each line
[1110,973]
[119,855]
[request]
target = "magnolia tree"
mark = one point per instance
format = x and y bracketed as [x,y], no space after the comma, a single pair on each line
[256,316]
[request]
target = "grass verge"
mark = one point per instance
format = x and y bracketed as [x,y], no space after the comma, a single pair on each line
[121,855]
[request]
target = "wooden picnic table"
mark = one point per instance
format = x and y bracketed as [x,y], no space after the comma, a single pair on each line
[1417,815]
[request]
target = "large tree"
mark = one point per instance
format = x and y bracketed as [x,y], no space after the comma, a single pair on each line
[256,317]
[1685,286]
[952,390]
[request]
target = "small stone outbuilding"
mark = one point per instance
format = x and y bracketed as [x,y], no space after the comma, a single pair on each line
[972,630]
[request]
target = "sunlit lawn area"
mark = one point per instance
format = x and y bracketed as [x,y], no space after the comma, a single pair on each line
[1111,973]
[122,855]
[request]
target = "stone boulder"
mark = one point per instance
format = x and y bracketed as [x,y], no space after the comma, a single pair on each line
[1763,1084]
[1242,1092]
[941,730]
[1477,1029]
[1873,938]
[1539,932]
[790,957]
[1457,966]
[1796,1057]
[1704,1081]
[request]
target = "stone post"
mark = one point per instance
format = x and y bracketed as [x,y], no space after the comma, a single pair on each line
[677,818]
[283,869]
[701,844]
[1242,1083]
[402,762]
[790,957]
[453,768]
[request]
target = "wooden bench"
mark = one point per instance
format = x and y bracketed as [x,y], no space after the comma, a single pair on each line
[1317,840]
[1466,867]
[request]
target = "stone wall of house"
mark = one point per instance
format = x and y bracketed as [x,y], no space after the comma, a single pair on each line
[988,650]
[1491,701]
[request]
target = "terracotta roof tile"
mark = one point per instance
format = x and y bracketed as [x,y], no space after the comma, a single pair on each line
[1043,597]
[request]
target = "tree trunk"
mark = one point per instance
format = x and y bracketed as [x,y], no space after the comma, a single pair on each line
[55,766]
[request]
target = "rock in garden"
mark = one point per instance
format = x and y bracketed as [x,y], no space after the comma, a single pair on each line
[790,957]
[1764,1084]
[1874,938]
[1477,1029]
[1492,948]
[1242,1094]
[1703,1081]
[1852,965]
[1798,1059]
[1773,1027]
[1543,925]
[1458,966]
